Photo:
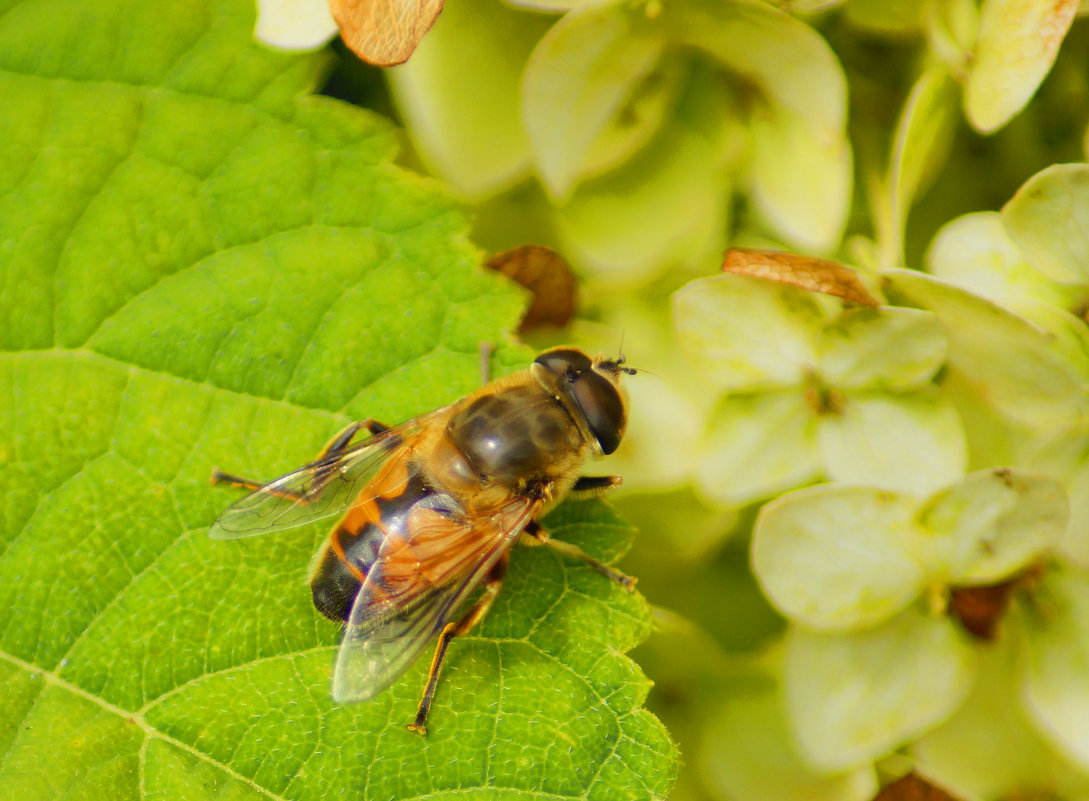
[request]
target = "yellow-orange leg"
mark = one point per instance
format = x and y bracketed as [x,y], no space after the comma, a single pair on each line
[536,535]
[449,632]
[219,477]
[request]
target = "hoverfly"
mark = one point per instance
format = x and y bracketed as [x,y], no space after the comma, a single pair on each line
[430,508]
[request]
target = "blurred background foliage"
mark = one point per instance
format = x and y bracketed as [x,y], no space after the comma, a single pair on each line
[640,139]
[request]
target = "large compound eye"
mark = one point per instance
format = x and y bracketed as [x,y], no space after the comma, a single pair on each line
[599,400]
[592,393]
[566,363]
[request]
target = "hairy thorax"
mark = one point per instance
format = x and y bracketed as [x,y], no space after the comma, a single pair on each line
[516,437]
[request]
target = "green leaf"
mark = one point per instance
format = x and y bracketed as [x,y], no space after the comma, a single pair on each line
[838,558]
[215,269]
[1048,218]
[1017,44]
[853,698]
[580,78]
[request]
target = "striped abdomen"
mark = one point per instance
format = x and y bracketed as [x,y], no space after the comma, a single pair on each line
[409,525]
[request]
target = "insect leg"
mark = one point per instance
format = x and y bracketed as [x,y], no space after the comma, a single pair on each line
[535,532]
[344,438]
[486,351]
[590,486]
[219,477]
[335,446]
[452,630]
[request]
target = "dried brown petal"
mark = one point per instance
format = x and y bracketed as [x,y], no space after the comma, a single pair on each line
[913,787]
[384,32]
[980,609]
[805,272]
[544,273]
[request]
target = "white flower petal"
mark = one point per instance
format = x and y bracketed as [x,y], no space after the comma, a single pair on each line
[294,24]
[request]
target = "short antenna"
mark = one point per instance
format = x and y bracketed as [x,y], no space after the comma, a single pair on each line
[620,359]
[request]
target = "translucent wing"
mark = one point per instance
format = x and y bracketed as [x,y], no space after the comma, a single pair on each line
[416,587]
[326,487]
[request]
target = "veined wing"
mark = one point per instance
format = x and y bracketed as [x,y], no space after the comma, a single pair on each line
[326,487]
[402,605]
